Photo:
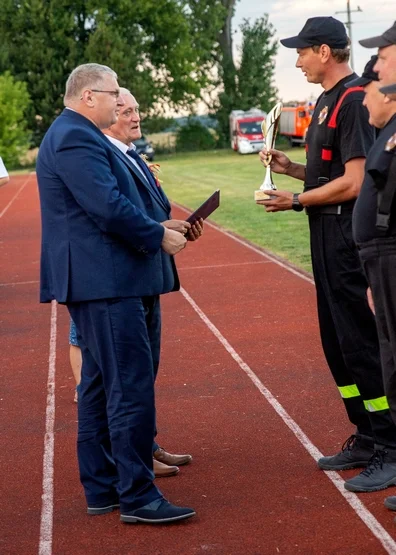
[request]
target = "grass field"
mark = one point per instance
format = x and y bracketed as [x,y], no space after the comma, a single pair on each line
[190,178]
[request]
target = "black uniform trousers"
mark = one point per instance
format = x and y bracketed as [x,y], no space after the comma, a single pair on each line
[347,326]
[379,261]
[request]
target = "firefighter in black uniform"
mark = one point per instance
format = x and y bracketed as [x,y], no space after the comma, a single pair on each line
[386,64]
[338,141]
[374,218]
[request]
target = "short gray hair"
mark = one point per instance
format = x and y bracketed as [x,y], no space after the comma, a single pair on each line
[123,90]
[83,77]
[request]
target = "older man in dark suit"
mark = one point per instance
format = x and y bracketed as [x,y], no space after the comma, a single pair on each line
[122,134]
[106,255]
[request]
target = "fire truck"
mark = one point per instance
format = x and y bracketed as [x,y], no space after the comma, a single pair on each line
[245,130]
[294,122]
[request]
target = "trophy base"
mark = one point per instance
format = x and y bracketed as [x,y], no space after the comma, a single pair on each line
[260,195]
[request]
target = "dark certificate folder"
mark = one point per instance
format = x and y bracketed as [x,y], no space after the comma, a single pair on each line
[206,208]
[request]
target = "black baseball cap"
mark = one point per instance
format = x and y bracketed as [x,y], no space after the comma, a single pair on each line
[389,89]
[318,31]
[386,39]
[368,75]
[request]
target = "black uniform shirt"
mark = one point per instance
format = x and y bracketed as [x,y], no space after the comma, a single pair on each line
[353,138]
[377,167]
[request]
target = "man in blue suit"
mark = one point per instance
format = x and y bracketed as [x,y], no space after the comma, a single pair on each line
[106,255]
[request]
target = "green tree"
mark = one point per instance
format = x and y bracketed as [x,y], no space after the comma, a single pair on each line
[256,72]
[156,124]
[251,83]
[159,48]
[14,135]
[227,72]
[194,136]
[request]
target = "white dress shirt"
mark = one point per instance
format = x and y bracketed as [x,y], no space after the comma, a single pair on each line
[123,147]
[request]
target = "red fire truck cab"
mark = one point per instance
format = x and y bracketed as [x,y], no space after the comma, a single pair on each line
[245,130]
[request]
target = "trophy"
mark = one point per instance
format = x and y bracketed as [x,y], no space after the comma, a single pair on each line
[269,127]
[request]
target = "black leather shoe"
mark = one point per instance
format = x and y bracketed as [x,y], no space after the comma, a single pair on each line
[356,452]
[103,509]
[159,511]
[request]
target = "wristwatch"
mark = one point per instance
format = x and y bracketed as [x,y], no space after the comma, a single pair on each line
[296,204]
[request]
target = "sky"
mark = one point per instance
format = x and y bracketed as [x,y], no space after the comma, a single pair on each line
[288,18]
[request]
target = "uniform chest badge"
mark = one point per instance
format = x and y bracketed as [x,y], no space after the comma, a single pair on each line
[390,143]
[323,115]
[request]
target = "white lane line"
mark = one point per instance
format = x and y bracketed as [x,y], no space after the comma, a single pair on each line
[266,255]
[222,265]
[47,497]
[368,518]
[15,196]
[18,283]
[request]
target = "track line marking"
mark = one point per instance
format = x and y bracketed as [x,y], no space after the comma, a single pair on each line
[222,265]
[368,518]
[18,283]
[47,497]
[266,255]
[15,196]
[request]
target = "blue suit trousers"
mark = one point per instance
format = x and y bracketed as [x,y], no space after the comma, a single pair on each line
[116,409]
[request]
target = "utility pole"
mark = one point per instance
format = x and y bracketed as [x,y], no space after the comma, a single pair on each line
[348,24]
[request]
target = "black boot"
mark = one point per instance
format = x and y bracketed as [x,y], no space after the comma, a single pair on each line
[379,474]
[356,452]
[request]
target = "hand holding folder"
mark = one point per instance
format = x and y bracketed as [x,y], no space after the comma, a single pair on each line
[206,208]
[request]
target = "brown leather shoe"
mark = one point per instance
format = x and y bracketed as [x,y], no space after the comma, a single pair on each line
[169,459]
[162,470]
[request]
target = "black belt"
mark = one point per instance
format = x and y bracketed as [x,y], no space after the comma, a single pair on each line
[335,209]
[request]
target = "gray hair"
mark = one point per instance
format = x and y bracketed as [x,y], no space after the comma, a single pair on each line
[123,90]
[83,77]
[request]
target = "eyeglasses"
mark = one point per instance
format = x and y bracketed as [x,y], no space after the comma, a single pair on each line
[115,94]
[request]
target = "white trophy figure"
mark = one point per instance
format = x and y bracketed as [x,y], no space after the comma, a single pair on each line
[269,127]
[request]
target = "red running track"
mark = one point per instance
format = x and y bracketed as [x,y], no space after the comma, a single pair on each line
[243,386]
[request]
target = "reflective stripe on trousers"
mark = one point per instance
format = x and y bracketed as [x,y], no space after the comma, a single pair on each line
[371,405]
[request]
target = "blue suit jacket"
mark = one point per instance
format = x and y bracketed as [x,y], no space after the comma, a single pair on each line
[100,232]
